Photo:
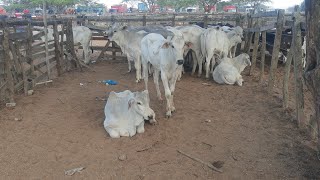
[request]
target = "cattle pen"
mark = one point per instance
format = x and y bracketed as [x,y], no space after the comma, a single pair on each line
[238,129]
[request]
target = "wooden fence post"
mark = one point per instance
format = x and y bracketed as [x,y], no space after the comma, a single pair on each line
[255,50]
[298,69]
[29,50]
[205,21]
[248,35]
[114,53]
[63,30]
[173,20]
[312,71]
[56,47]
[263,55]
[285,90]
[276,49]
[7,62]
[70,44]
[144,20]
[46,38]
[24,76]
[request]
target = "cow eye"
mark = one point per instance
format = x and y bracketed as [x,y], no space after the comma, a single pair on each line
[114,31]
[172,46]
[139,103]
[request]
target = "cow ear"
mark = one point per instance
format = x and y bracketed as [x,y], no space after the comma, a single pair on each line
[130,103]
[165,45]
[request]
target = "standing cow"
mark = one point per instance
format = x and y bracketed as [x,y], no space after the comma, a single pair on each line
[165,55]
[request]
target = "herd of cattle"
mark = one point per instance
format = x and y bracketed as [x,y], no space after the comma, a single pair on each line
[161,51]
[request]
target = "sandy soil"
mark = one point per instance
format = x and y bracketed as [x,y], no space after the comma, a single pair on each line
[61,129]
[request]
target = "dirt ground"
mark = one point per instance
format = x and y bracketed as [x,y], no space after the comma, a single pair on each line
[62,129]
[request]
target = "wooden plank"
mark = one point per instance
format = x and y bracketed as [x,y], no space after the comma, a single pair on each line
[255,50]
[24,76]
[263,55]
[7,61]
[37,49]
[298,69]
[100,48]
[99,38]
[103,51]
[43,54]
[57,48]
[260,29]
[265,14]
[276,49]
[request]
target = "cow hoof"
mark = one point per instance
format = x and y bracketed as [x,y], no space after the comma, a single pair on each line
[140,130]
[173,109]
[129,71]
[199,75]
[153,122]
[168,114]
[137,80]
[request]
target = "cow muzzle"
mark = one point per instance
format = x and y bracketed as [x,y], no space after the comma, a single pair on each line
[180,62]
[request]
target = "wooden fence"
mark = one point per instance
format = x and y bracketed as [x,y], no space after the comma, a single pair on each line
[23,63]
[260,23]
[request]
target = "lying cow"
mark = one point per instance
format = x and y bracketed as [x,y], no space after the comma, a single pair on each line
[165,56]
[215,42]
[81,35]
[229,70]
[125,113]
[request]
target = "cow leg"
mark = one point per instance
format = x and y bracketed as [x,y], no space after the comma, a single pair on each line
[195,62]
[124,133]
[156,82]
[208,62]
[145,73]
[234,49]
[167,93]
[137,65]
[86,54]
[200,61]
[172,88]
[213,63]
[113,133]
[140,128]
[129,63]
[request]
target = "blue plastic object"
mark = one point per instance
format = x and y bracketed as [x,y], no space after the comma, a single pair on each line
[110,82]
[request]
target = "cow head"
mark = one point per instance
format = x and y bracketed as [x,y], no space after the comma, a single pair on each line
[239,31]
[245,61]
[140,104]
[178,45]
[113,28]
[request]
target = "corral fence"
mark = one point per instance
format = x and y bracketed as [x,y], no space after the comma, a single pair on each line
[23,62]
[263,23]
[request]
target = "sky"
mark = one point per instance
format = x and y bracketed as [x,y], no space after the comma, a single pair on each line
[279,4]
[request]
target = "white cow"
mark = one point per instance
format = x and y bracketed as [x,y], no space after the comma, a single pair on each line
[229,70]
[81,35]
[130,44]
[192,36]
[237,31]
[125,113]
[215,42]
[165,56]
